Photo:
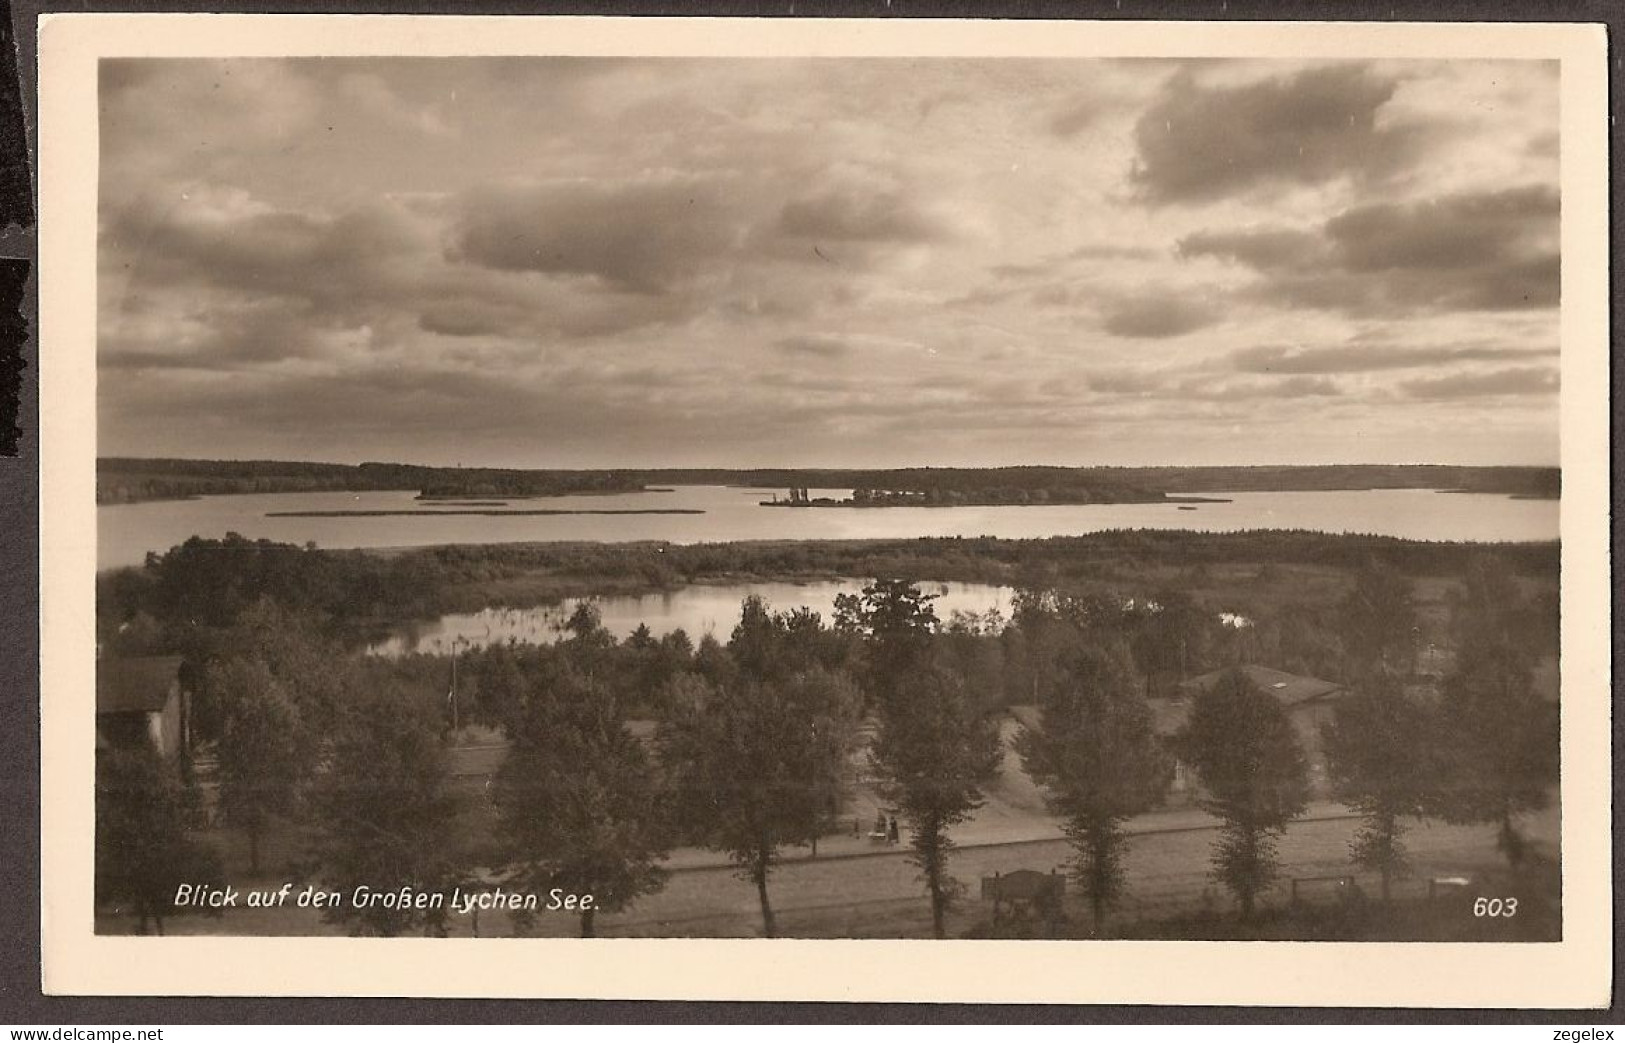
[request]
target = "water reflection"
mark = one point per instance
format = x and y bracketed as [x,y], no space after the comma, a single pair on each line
[696,610]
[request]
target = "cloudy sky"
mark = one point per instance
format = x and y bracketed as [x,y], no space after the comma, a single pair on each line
[736,262]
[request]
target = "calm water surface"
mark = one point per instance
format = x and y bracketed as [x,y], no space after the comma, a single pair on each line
[696,610]
[126,532]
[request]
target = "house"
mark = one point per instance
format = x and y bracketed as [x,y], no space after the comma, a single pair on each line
[1309,703]
[140,699]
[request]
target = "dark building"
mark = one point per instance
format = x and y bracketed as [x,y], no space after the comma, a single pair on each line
[1308,701]
[141,700]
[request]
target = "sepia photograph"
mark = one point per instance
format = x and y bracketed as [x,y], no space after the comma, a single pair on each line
[842,492]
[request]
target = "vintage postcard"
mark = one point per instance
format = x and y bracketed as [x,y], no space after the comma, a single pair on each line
[845,510]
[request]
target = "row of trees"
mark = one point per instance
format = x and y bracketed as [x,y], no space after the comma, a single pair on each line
[1482,749]
[753,754]
[758,743]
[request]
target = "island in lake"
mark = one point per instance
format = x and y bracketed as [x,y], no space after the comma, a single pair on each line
[1005,496]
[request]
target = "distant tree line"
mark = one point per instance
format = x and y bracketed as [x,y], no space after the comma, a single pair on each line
[127,480]
[1073,492]
[123,480]
[1533,482]
[1127,484]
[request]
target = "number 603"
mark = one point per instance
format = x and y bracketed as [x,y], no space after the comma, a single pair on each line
[1495,907]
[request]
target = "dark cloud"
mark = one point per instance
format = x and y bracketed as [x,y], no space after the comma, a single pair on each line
[1266,250]
[1544,145]
[1125,381]
[462,321]
[1472,251]
[118,76]
[232,243]
[1112,252]
[236,335]
[643,236]
[851,215]
[267,281]
[1454,233]
[138,360]
[367,410]
[1525,380]
[1060,295]
[1357,358]
[1253,390]
[817,345]
[1022,271]
[1075,117]
[1198,144]
[1306,387]
[244,283]
[1056,265]
[803,382]
[1158,317]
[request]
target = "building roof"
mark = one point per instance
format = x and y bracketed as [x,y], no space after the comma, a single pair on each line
[1168,716]
[135,685]
[1289,689]
[1027,715]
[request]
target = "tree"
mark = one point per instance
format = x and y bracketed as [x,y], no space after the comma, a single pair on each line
[768,644]
[934,749]
[1170,635]
[1100,763]
[499,684]
[932,755]
[590,646]
[286,642]
[756,640]
[1247,757]
[387,814]
[1381,747]
[1500,743]
[264,752]
[898,623]
[1381,756]
[1048,626]
[971,646]
[713,663]
[1499,738]
[753,764]
[576,798]
[143,852]
[1379,625]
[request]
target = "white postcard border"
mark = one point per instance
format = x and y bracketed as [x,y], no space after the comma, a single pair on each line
[1575,972]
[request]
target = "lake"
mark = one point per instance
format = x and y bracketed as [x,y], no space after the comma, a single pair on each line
[697,610]
[126,532]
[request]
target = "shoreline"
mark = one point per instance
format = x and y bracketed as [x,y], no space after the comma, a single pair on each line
[388,513]
[854,505]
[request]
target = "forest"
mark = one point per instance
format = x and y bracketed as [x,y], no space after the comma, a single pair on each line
[620,750]
[357,592]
